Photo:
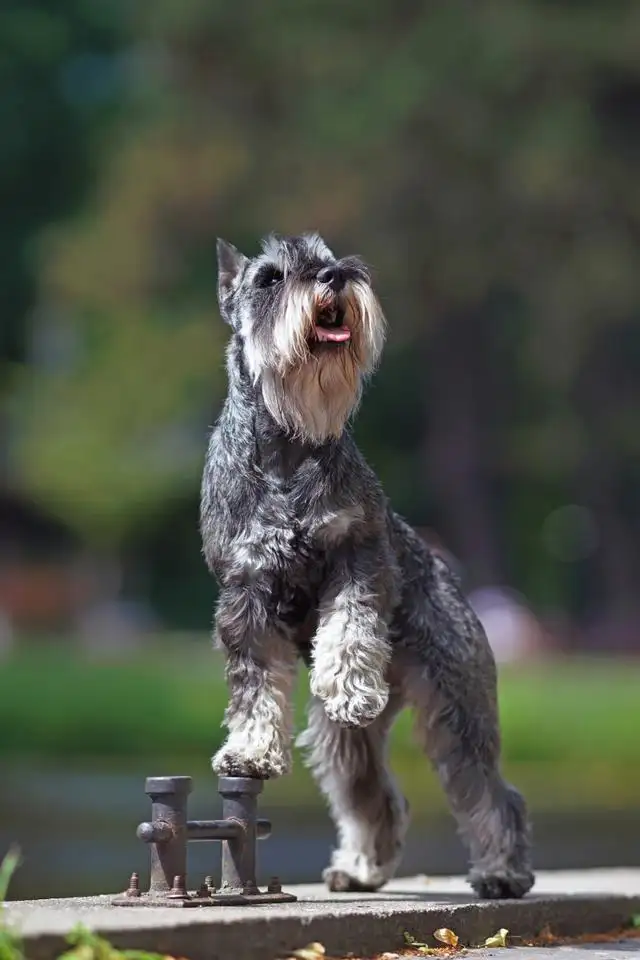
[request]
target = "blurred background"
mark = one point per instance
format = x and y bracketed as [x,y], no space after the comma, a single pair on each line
[483,156]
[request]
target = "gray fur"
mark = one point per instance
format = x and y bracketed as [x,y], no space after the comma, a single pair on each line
[313,564]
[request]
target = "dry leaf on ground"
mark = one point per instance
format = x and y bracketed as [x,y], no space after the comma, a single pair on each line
[444,935]
[411,941]
[312,951]
[499,939]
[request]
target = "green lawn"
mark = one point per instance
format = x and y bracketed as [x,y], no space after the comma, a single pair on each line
[571,728]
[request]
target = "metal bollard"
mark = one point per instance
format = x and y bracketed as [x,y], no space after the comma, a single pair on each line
[169,831]
[239,803]
[168,848]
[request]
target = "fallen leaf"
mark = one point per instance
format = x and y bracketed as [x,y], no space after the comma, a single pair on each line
[312,951]
[546,936]
[411,940]
[444,935]
[499,939]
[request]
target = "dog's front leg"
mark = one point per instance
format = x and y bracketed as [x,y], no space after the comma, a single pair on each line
[351,649]
[261,664]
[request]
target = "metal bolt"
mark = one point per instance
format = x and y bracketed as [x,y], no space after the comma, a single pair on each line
[274,885]
[249,889]
[210,884]
[179,889]
[203,890]
[134,886]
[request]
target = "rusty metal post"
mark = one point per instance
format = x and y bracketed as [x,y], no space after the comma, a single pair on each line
[169,821]
[239,804]
[168,833]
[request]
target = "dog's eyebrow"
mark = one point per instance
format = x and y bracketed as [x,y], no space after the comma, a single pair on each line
[291,253]
[271,246]
[316,247]
[279,251]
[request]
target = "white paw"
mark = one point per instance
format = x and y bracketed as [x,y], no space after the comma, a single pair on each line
[236,759]
[358,708]
[350,871]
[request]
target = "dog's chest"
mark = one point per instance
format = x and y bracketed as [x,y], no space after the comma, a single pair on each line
[283,537]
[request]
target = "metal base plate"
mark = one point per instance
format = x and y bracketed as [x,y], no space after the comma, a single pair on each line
[193,900]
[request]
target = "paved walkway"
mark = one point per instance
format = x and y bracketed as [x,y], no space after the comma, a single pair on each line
[570,903]
[622,950]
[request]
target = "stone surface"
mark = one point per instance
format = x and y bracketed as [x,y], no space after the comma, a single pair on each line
[571,903]
[621,950]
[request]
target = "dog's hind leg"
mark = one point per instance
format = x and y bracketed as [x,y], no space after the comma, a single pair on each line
[450,680]
[369,812]
[491,814]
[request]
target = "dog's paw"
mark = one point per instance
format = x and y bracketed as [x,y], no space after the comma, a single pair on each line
[339,881]
[351,870]
[501,885]
[359,710]
[230,761]
[352,697]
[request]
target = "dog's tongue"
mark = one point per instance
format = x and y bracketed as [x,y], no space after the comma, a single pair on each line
[334,334]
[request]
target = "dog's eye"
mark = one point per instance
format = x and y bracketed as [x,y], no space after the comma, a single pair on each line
[269,276]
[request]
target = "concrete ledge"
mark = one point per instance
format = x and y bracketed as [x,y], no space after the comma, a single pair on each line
[364,924]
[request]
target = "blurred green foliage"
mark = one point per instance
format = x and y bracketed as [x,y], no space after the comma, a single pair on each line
[58,66]
[482,156]
[570,729]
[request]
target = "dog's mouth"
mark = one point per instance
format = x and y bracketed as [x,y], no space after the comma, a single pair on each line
[329,326]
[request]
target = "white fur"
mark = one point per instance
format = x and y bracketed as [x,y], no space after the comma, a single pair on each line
[370,331]
[313,394]
[272,247]
[350,657]
[290,336]
[334,526]
[356,854]
[371,822]
[259,741]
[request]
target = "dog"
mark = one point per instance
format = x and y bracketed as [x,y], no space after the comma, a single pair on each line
[314,565]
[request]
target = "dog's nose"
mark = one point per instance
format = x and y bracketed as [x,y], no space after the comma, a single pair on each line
[332,276]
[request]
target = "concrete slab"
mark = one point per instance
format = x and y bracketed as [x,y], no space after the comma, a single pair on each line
[570,903]
[620,950]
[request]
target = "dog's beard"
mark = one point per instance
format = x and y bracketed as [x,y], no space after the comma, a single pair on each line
[313,381]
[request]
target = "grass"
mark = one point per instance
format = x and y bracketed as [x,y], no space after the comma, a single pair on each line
[571,728]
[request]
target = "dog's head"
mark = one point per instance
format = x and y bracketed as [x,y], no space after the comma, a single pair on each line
[310,326]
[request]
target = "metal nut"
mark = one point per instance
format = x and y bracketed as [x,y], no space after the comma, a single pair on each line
[133,889]
[210,884]
[179,889]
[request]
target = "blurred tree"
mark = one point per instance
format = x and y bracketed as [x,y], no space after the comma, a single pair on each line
[115,429]
[60,77]
[482,155]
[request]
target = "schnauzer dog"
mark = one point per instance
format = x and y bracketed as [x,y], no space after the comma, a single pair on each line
[313,564]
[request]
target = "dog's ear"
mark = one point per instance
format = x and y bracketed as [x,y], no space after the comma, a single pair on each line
[231,264]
